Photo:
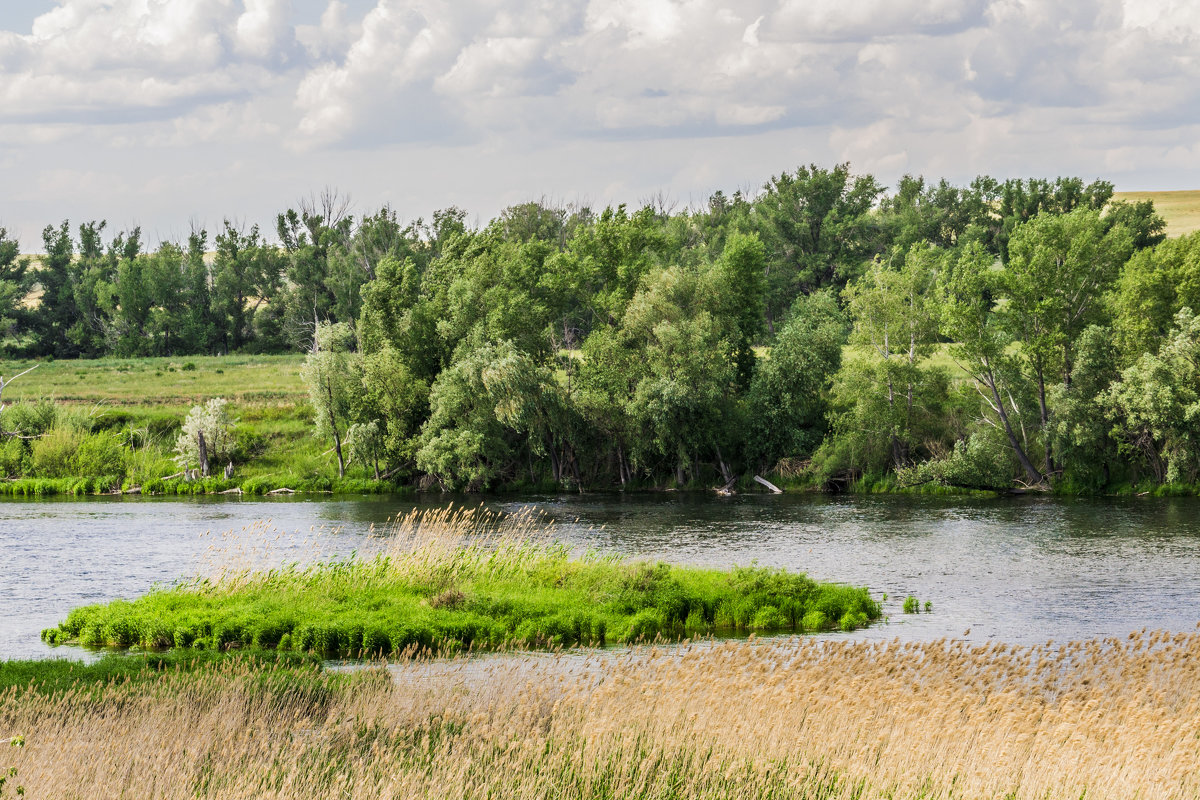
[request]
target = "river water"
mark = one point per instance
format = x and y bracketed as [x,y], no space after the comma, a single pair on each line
[1024,569]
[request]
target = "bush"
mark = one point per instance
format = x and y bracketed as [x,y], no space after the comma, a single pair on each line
[53,455]
[911,606]
[100,454]
[213,420]
[247,444]
[29,419]
[982,461]
[14,457]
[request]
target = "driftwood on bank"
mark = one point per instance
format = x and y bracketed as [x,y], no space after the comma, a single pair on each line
[774,489]
[727,489]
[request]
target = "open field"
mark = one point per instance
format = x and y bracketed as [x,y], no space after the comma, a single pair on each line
[159,381]
[1180,209]
[459,578]
[142,402]
[777,718]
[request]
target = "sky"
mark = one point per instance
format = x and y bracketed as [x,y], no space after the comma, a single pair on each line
[169,114]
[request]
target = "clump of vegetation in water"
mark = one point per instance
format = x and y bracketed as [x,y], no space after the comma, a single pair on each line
[455,579]
[911,605]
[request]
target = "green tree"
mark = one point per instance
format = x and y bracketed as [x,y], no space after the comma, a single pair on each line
[247,274]
[742,296]
[967,291]
[1153,286]
[56,311]
[818,229]
[895,329]
[1059,268]
[1155,405]
[397,399]
[464,443]
[787,401]
[1019,201]
[1080,431]
[15,283]
[333,375]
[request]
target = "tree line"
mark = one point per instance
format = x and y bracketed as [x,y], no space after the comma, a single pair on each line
[824,329]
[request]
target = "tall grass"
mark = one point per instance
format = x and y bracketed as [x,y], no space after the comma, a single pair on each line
[454,578]
[776,718]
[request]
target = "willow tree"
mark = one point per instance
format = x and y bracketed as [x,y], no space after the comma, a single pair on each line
[333,375]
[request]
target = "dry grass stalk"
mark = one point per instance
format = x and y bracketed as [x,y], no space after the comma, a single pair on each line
[797,717]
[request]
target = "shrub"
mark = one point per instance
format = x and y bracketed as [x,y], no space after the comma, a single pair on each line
[100,454]
[53,455]
[213,420]
[14,456]
[247,444]
[911,606]
[29,419]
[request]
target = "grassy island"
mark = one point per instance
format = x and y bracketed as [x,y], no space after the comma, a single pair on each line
[454,579]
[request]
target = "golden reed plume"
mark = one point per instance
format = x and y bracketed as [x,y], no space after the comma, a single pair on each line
[792,717]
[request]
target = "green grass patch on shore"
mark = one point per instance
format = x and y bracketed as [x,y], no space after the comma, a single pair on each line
[452,579]
[52,676]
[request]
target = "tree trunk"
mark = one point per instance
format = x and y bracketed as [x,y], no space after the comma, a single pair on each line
[575,468]
[337,446]
[724,468]
[203,453]
[1030,470]
[1048,462]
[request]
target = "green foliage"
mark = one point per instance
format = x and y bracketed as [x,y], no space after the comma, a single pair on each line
[213,421]
[522,592]
[911,606]
[333,375]
[100,454]
[1155,405]
[981,461]
[53,454]
[1153,286]
[788,394]
[564,347]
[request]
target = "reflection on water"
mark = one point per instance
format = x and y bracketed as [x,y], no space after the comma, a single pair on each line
[1018,569]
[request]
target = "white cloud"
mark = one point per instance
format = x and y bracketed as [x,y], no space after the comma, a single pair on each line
[619,95]
[332,37]
[263,30]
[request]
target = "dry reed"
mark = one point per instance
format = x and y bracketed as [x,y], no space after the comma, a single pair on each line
[780,718]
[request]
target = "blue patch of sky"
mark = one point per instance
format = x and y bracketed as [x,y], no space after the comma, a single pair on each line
[18,17]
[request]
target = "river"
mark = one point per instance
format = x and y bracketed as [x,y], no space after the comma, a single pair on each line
[1021,569]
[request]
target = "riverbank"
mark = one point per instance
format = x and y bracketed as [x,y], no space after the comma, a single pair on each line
[452,579]
[779,718]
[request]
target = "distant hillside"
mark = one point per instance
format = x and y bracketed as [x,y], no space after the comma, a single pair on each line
[1181,210]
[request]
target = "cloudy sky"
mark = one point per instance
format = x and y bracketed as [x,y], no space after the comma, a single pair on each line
[168,113]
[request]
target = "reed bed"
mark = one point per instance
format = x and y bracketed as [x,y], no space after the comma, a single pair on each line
[450,579]
[779,718]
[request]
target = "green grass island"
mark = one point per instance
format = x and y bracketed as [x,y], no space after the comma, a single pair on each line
[450,589]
